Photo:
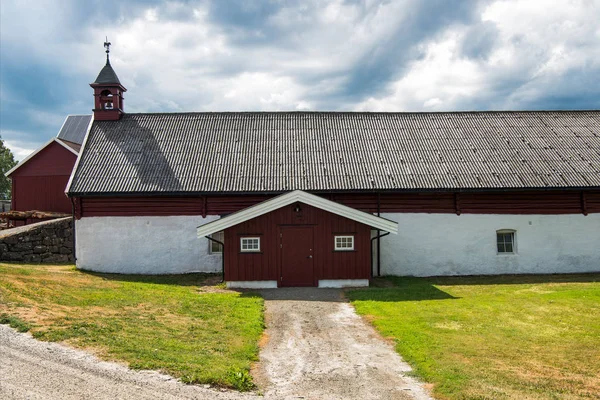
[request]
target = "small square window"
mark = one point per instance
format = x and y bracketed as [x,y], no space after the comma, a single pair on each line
[214,247]
[250,244]
[505,241]
[344,243]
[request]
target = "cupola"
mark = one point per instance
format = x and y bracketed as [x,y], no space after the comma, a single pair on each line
[108,92]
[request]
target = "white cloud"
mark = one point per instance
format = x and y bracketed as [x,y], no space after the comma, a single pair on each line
[437,81]
[268,91]
[197,64]
[532,57]
[21,150]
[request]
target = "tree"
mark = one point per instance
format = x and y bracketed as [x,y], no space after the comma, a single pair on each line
[7,161]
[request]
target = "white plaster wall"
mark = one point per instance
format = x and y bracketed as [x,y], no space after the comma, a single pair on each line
[448,244]
[144,245]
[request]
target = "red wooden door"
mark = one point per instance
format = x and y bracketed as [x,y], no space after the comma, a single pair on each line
[297,256]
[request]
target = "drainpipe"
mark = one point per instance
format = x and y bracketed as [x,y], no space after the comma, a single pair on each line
[378,236]
[222,255]
[378,247]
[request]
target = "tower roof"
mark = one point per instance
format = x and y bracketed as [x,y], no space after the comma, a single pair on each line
[107,75]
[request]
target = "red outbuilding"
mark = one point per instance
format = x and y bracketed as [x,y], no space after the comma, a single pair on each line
[298,239]
[39,181]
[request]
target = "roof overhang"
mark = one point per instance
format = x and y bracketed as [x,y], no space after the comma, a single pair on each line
[29,157]
[292,197]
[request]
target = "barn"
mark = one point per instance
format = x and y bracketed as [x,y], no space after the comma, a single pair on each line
[39,181]
[332,198]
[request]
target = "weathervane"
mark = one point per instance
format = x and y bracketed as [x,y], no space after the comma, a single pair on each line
[107,45]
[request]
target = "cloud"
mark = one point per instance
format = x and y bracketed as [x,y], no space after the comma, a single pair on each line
[19,150]
[513,57]
[405,55]
[479,40]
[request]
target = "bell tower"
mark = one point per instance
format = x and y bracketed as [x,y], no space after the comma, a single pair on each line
[108,92]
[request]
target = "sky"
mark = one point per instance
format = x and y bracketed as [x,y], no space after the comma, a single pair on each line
[243,55]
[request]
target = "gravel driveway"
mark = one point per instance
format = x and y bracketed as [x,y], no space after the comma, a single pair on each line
[317,347]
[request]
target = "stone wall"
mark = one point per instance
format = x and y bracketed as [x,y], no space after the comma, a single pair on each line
[45,242]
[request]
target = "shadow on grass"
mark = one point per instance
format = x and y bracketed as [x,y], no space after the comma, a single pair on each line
[193,279]
[514,279]
[303,294]
[391,289]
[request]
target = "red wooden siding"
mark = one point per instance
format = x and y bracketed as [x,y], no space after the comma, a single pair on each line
[327,263]
[40,183]
[44,193]
[590,202]
[527,202]
[150,206]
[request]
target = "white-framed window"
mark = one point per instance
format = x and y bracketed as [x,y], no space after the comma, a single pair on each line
[505,241]
[214,247]
[249,244]
[344,243]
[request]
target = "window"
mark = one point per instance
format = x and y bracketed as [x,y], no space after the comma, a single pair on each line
[506,241]
[250,244]
[344,243]
[214,247]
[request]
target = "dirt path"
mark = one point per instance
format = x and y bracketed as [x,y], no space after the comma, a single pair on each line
[30,369]
[317,347]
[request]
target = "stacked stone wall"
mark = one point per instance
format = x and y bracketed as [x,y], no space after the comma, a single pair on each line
[45,242]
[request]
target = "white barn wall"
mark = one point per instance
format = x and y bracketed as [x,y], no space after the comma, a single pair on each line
[426,245]
[144,245]
[449,244]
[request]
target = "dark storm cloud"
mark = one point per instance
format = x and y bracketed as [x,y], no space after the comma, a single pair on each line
[244,15]
[479,41]
[388,59]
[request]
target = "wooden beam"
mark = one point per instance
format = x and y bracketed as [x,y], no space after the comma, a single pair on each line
[584,203]
[457,203]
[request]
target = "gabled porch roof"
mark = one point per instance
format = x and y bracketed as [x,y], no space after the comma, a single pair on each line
[293,197]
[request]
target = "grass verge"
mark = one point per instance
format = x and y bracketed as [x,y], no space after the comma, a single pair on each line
[183,325]
[14,322]
[507,337]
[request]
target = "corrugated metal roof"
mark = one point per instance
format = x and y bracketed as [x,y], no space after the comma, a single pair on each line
[322,151]
[74,128]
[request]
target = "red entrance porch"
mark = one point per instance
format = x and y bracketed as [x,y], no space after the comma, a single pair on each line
[297,239]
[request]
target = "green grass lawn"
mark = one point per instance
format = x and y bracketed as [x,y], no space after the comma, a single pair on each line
[507,337]
[184,325]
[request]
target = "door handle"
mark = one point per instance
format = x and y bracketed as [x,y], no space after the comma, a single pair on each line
[309,257]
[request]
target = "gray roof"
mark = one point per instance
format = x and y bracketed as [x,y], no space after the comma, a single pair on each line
[338,151]
[74,128]
[107,75]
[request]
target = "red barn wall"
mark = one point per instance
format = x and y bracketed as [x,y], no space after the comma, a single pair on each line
[327,263]
[506,202]
[40,183]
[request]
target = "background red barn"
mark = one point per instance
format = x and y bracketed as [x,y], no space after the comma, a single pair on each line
[40,183]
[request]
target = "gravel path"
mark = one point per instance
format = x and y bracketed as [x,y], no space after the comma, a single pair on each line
[317,347]
[30,369]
